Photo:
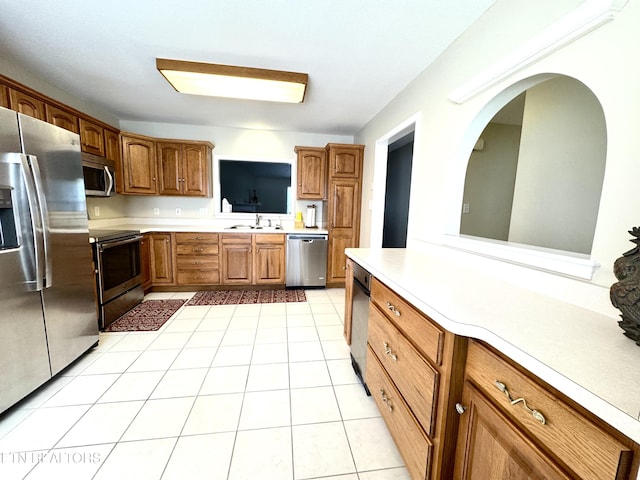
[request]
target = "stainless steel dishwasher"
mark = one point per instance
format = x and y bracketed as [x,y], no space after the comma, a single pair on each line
[306,260]
[360,321]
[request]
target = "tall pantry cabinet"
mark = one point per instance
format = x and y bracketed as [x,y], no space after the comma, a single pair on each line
[344,194]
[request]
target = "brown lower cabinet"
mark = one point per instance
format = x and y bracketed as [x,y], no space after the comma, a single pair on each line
[452,406]
[207,259]
[161,259]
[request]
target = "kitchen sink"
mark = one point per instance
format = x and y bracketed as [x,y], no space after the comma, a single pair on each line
[253,227]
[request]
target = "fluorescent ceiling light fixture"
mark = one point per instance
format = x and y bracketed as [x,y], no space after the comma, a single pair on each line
[233,82]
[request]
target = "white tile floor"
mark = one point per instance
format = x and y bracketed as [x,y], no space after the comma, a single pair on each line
[247,392]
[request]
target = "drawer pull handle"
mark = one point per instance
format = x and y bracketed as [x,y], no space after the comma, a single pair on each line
[393,308]
[385,400]
[534,413]
[387,350]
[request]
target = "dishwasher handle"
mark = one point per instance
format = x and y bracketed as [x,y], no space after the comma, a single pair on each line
[307,238]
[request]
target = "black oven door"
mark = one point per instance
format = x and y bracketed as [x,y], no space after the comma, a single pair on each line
[118,265]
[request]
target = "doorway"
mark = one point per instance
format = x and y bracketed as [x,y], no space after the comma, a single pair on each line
[397,192]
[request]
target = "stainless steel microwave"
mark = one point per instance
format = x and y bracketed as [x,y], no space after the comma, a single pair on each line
[99,176]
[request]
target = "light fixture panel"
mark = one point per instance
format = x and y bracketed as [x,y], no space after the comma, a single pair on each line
[234,82]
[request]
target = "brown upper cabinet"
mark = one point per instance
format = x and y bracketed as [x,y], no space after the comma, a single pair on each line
[92,137]
[183,168]
[312,173]
[4,96]
[138,172]
[345,161]
[26,104]
[112,145]
[61,118]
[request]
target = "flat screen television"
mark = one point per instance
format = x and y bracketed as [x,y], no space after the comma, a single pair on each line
[256,186]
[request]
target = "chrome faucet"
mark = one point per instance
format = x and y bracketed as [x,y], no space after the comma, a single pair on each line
[258,218]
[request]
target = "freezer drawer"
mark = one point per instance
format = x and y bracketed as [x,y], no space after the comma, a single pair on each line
[306,260]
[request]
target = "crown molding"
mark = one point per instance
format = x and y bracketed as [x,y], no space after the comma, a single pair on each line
[584,19]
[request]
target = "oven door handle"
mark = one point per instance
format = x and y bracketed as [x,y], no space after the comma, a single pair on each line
[116,243]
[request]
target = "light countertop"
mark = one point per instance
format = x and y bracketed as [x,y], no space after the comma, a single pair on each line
[146,226]
[580,352]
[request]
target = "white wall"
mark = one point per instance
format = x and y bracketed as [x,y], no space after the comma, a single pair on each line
[602,60]
[489,183]
[560,167]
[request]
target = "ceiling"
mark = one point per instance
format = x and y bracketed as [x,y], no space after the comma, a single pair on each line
[359,54]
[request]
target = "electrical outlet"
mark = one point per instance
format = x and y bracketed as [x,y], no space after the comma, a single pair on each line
[465,208]
[178,211]
[96,211]
[204,212]
[156,211]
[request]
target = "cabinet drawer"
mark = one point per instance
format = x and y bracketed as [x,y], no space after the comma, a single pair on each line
[567,434]
[415,447]
[424,334]
[272,238]
[197,249]
[413,376]
[236,238]
[197,277]
[197,262]
[189,237]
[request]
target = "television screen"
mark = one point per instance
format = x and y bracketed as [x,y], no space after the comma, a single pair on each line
[256,186]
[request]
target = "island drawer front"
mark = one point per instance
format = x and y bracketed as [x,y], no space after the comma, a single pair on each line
[414,445]
[190,237]
[416,380]
[424,334]
[199,277]
[567,434]
[196,249]
[271,238]
[197,262]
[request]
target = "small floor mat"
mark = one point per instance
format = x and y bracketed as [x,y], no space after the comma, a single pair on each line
[236,297]
[149,315]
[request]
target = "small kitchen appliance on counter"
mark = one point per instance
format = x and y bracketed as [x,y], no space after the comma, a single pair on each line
[311,217]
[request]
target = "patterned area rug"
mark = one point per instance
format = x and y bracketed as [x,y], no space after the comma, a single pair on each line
[233,297]
[146,316]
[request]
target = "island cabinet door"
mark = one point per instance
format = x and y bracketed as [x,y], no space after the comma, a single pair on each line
[491,447]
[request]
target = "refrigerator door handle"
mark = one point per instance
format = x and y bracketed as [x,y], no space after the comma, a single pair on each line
[110,177]
[42,239]
[36,223]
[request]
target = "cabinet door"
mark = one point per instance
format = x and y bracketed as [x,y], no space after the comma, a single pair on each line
[169,168]
[195,171]
[344,218]
[161,258]
[269,264]
[312,174]
[345,161]
[491,447]
[26,104]
[112,145]
[236,264]
[145,260]
[4,96]
[61,118]
[138,166]
[91,137]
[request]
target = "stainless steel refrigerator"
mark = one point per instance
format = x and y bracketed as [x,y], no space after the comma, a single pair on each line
[47,305]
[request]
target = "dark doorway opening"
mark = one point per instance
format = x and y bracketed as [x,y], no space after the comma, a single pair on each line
[397,193]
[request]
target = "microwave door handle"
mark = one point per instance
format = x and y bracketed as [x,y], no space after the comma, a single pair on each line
[36,223]
[110,177]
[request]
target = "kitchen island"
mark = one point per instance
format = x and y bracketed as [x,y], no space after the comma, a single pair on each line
[580,352]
